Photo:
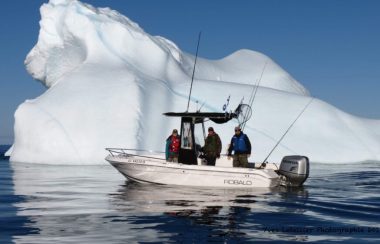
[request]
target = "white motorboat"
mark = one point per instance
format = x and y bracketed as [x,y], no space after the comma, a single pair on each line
[149,167]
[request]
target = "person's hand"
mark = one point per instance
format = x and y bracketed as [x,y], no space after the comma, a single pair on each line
[229,157]
[249,155]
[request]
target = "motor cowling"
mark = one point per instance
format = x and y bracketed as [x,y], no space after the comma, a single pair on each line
[295,169]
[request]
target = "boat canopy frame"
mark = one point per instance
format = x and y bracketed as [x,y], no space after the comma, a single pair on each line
[189,150]
[199,117]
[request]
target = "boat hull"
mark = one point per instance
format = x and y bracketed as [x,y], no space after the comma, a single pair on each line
[158,171]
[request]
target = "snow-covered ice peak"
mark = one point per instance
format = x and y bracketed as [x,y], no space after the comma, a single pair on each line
[73,33]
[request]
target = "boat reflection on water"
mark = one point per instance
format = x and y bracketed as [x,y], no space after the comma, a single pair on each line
[219,214]
[163,198]
[175,199]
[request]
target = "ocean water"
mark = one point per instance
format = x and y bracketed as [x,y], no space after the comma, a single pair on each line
[95,204]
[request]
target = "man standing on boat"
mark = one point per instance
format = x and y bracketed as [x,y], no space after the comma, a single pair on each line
[172,146]
[241,146]
[212,147]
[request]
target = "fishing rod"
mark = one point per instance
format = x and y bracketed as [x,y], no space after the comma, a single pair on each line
[192,77]
[254,91]
[257,85]
[282,137]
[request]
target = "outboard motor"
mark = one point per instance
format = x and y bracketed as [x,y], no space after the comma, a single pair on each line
[295,169]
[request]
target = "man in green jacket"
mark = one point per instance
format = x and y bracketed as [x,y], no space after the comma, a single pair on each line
[212,147]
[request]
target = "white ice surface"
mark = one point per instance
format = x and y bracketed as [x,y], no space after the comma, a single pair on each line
[109,83]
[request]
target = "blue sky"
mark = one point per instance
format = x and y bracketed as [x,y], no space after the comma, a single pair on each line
[332,47]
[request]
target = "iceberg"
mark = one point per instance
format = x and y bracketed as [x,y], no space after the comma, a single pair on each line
[109,82]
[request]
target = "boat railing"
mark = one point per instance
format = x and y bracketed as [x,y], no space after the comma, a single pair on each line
[125,152]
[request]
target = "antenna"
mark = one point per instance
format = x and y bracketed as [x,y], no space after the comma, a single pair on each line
[192,77]
[282,137]
[201,107]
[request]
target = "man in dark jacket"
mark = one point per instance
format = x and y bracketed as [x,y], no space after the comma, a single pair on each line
[241,146]
[212,147]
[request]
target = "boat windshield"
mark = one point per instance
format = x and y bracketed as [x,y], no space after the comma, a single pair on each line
[199,135]
[186,136]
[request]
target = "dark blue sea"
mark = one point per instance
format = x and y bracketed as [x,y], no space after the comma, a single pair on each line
[95,204]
